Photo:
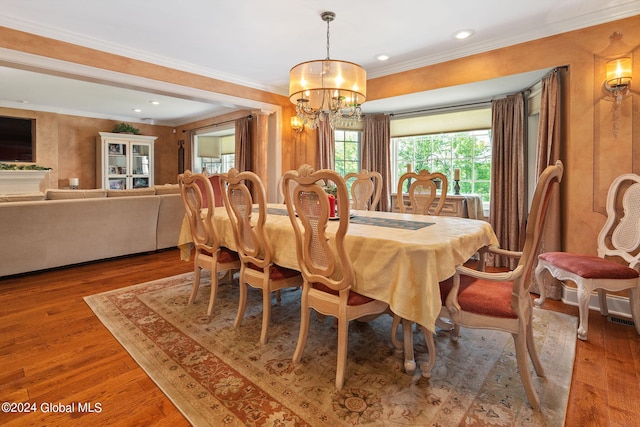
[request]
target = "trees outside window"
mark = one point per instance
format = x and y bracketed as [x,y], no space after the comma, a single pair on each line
[347,155]
[468,151]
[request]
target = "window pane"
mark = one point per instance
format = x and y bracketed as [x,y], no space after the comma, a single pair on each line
[468,151]
[347,151]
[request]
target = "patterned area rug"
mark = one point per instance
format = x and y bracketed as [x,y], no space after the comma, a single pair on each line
[217,375]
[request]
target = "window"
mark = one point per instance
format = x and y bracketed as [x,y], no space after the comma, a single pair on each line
[469,151]
[347,155]
[215,151]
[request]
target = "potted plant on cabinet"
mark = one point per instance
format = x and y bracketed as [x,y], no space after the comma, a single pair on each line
[125,128]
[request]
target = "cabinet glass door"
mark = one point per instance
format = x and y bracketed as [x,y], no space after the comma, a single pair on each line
[117,166]
[140,165]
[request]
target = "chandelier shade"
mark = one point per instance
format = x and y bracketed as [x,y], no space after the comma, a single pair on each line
[334,87]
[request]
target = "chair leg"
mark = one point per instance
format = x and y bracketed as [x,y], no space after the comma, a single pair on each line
[602,300]
[523,367]
[407,341]
[395,324]
[242,302]
[407,338]
[196,283]
[533,353]
[305,315]
[583,306]
[538,275]
[343,339]
[214,290]
[431,347]
[266,312]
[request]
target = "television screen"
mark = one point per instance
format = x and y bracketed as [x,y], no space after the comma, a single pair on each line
[16,139]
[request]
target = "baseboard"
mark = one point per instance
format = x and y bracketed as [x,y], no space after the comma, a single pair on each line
[617,305]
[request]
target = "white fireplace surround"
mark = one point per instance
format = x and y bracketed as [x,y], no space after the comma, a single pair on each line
[24,181]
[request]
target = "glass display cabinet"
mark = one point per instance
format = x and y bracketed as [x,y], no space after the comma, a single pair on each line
[124,161]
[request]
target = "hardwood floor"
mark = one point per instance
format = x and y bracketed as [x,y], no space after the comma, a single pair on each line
[53,350]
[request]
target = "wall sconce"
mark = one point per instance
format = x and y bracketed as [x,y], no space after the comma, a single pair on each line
[615,62]
[296,124]
[618,77]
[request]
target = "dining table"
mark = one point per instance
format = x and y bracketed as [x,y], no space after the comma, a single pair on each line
[397,258]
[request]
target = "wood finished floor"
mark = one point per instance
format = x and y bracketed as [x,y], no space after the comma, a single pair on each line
[54,350]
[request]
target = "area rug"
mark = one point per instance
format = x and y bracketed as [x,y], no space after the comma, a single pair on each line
[218,375]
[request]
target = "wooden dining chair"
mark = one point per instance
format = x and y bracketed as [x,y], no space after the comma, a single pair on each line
[196,190]
[618,240]
[323,259]
[366,189]
[252,243]
[501,301]
[422,190]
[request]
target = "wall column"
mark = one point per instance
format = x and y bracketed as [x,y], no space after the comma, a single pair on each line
[260,145]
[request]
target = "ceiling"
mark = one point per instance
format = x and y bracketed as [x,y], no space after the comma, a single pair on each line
[254,43]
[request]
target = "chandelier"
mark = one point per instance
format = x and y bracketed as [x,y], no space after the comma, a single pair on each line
[336,88]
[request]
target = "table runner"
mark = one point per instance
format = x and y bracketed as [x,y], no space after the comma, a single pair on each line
[377,222]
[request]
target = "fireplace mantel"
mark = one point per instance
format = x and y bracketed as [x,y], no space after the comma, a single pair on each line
[23,181]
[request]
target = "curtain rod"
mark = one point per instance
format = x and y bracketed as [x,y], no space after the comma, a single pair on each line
[448,107]
[553,70]
[471,104]
[216,124]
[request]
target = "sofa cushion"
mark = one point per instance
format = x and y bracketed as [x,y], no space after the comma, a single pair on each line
[167,189]
[23,197]
[146,191]
[56,194]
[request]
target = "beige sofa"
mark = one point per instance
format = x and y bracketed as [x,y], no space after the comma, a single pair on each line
[65,227]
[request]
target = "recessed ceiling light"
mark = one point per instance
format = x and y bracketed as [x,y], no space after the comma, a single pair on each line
[155,102]
[382,57]
[464,34]
[137,110]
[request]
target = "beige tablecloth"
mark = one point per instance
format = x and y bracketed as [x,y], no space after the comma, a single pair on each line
[399,266]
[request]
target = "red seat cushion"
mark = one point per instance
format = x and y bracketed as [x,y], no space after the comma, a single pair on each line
[589,266]
[225,255]
[354,297]
[277,272]
[481,296]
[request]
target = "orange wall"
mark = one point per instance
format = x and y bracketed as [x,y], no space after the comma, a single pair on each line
[591,154]
[67,144]
[593,157]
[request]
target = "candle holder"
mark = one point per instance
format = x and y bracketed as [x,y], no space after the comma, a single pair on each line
[456,187]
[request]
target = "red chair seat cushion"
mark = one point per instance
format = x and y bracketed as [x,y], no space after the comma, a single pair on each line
[354,297]
[589,266]
[481,296]
[225,255]
[277,272]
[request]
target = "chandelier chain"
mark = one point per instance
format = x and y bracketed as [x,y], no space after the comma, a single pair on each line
[328,22]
